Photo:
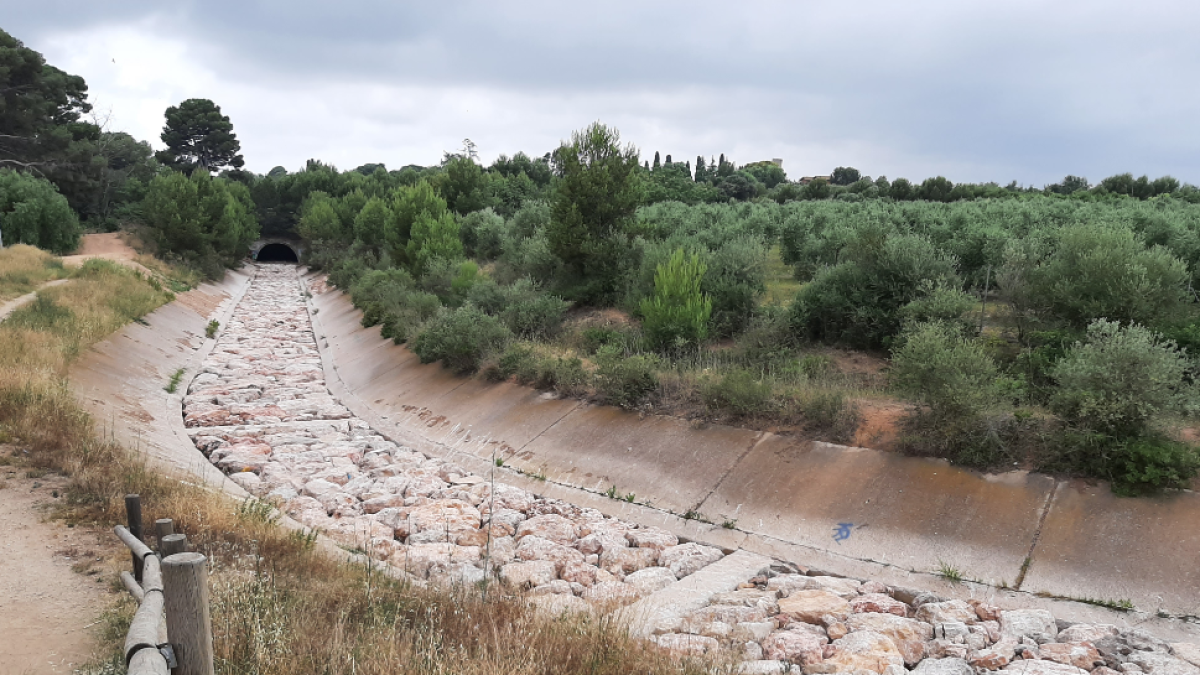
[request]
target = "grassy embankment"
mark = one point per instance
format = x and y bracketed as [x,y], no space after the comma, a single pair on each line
[278,606]
[24,268]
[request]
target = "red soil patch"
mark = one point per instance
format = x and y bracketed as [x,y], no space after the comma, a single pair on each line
[880,426]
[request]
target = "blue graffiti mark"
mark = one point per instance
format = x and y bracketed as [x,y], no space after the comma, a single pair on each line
[842,532]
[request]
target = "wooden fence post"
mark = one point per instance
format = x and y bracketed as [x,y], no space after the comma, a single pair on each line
[172,544]
[189,625]
[162,528]
[133,514]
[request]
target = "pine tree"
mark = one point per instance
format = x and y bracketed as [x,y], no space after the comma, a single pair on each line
[677,314]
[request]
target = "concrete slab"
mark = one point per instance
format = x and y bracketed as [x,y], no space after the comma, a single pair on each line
[870,505]
[663,459]
[1097,545]
[693,592]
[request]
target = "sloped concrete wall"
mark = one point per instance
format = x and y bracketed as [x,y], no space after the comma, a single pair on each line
[121,381]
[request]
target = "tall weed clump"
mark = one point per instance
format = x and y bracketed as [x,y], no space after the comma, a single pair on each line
[677,314]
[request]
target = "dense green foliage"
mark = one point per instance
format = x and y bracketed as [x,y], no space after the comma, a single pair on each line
[1121,379]
[198,136]
[461,338]
[593,207]
[676,315]
[205,221]
[33,212]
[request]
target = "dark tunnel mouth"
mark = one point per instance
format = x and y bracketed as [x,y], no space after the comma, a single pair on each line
[276,252]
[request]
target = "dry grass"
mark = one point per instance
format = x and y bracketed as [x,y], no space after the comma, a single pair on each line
[279,606]
[24,268]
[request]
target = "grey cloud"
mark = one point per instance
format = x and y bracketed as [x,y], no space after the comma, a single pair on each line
[1000,90]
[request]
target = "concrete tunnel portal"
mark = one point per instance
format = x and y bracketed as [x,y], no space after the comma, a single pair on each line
[276,251]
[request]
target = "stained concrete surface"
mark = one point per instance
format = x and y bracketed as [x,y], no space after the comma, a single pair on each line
[121,381]
[910,512]
[1095,544]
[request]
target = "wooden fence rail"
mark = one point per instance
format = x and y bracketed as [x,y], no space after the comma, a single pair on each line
[171,631]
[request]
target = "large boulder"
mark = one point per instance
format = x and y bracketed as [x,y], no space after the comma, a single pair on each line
[686,645]
[1038,667]
[533,547]
[1079,654]
[688,558]
[650,579]
[865,650]
[556,528]
[796,646]
[528,574]
[1032,623]
[909,635]
[946,612]
[1087,632]
[878,603]
[811,606]
[949,666]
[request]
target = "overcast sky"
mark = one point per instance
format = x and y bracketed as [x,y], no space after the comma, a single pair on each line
[975,90]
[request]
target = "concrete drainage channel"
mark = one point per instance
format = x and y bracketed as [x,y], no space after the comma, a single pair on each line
[261,411]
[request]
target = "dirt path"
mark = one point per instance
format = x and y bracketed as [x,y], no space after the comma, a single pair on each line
[17,303]
[52,589]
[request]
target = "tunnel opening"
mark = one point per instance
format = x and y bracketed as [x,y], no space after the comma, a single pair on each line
[277,253]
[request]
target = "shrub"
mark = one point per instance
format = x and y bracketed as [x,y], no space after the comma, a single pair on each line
[625,381]
[461,338]
[482,234]
[527,311]
[945,304]
[677,314]
[735,280]
[1121,380]
[1135,466]
[518,359]
[739,393]
[1105,271]
[813,366]
[33,212]
[858,301]
[1145,465]
[406,317]
[939,368]
[593,338]
[566,375]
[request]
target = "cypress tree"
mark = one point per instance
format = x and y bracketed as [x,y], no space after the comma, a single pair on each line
[668,160]
[657,163]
